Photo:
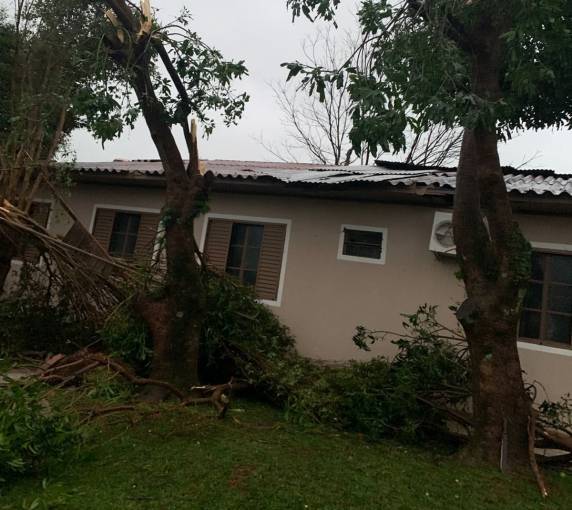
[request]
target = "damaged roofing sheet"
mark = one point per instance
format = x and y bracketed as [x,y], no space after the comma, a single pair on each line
[527,181]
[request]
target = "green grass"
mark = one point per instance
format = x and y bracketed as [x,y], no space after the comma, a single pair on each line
[254,459]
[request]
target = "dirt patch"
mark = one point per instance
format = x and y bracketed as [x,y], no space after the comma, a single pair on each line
[239,476]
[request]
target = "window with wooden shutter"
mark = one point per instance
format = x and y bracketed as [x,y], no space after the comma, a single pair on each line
[126,234]
[250,251]
[40,213]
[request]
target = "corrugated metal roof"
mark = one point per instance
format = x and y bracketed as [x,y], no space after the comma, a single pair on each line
[526,181]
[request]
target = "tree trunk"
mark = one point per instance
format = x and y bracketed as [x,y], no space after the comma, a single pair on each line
[176,317]
[495,264]
[7,253]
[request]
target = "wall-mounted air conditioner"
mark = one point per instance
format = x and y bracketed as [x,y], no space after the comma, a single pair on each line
[442,241]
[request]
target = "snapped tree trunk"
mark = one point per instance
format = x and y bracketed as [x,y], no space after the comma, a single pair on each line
[175,318]
[495,265]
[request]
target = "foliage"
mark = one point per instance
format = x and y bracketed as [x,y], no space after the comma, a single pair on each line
[6,52]
[238,330]
[423,43]
[50,61]
[382,397]
[558,415]
[33,432]
[30,321]
[125,335]
[378,397]
[205,90]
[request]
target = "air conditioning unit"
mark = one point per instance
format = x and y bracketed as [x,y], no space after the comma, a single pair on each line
[442,241]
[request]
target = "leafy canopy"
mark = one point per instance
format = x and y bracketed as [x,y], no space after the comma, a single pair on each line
[422,66]
[53,57]
[109,105]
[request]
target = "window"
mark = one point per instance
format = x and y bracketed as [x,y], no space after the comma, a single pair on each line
[251,249]
[40,213]
[547,314]
[362,244]
[124,235]
[244,252]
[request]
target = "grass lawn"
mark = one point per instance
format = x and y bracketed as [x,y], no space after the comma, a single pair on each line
[186,459]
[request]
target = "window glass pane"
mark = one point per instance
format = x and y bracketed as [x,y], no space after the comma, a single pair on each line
[233,272]
[559,328]
[533,297]
[252,254]
[121,223]
[116,245]
[134,220]
[530,325]
[561,269]
[363,237]
[357,250]
[234,256]
[244,253]
[249,277]
[255,233]
[537,266]
[560,299]
[238,233]
[124,234]
[129,248]
[359,243]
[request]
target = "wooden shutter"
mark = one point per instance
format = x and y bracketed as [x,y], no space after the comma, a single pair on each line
[79,237]
[217,243]
[103,226]
[40,213]
[271,259]
[147,237]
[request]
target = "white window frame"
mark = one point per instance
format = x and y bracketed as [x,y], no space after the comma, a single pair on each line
[256,219]
[549,349]
[128,209]
[366,260]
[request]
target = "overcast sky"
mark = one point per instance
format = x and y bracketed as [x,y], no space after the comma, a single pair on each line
[262,33]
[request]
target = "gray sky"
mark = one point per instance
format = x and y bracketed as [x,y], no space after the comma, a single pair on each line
[261,32]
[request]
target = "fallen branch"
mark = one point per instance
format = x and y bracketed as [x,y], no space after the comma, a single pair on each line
[556,439]
[218,395]
[97,413]
[532,455]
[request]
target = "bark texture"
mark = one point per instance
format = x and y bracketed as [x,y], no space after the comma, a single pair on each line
[495,264]
[175,316]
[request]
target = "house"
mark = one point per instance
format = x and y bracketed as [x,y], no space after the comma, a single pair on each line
[330,248]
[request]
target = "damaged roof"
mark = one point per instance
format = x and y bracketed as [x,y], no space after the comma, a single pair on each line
[383,173]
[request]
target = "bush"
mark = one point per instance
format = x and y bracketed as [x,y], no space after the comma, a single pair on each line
[243,338]
[33,432]
[379,397]
[239,333]
[126,336]
[32,322]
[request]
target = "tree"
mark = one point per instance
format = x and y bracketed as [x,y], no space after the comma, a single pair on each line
[490,67]
[317,129]
[43,73]
[194,79]
[320,129]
